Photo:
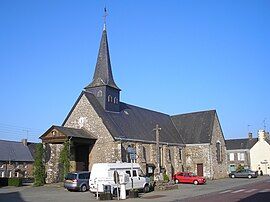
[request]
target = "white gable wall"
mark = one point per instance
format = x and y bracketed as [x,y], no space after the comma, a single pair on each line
[260,156]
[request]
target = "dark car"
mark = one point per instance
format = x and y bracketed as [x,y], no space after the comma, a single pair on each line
[244,173]
[77,181]
[188,177]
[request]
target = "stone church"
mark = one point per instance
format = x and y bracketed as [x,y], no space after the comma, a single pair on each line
[100,128]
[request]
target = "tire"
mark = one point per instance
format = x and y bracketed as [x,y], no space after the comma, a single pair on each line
[249,176]
[83,188]
[195,182]
[146,188]
[232,176]
[177,181]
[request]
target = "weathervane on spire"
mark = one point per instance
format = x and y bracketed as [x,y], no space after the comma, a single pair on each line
[104,17]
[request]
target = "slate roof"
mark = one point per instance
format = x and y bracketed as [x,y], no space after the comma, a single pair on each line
[103,71]
[244,143]
[14,151]
[71,132]
[196,127]
[136,123]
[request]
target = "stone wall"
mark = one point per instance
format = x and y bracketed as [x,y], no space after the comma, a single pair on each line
[197,154]
[219,169]
[105,148]
[235,162]
[52,162]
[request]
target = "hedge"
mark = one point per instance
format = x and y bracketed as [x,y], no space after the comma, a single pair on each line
[15,182]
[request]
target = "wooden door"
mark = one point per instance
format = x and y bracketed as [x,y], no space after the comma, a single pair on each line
[200,169]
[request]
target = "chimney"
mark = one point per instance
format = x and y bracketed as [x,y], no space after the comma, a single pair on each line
[261,135]
[250,136]
[24,141]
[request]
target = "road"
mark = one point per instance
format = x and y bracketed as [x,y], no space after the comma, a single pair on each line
[216,190]
[257,192]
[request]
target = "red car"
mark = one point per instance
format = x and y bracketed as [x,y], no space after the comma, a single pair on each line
[188,177]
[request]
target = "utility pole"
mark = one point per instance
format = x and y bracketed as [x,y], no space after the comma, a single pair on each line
[157,129]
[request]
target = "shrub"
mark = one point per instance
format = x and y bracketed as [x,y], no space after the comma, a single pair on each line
[39,168]
[15,182]
[165,177]
[239,168]
[64,161]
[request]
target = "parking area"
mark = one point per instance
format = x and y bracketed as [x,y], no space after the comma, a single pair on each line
[56,192]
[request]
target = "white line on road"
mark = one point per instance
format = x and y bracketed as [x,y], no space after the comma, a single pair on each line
[251,190]
[265,190]
[237,191]
[226,191]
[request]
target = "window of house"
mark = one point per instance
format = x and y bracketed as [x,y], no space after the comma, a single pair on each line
[10,174]
[110,99]
[128,172]
[17,174]
[241,156]
[2,166]
[3,174]
[218,146]
[115,100]
[231,156]
[134,173]
[169,154]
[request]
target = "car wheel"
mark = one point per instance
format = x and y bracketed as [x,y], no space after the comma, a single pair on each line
[249,176]
[195,182]
[83,188]
[146,188]
[177,181]
[233,176]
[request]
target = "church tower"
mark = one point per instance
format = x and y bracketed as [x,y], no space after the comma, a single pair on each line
[103,85]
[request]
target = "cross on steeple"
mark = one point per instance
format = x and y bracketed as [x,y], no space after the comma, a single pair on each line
[104,17]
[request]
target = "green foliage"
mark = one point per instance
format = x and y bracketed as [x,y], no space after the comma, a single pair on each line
[239,168]
[15,182]
[165,177]
[64,161]
[39,168]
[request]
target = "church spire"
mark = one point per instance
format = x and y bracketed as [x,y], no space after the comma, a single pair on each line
[103,72]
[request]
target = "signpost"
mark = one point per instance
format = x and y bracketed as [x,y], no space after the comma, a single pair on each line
[132,154]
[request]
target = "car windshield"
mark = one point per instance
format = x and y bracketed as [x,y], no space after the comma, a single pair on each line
[70,176]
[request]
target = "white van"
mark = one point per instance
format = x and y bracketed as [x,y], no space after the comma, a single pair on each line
[102,174]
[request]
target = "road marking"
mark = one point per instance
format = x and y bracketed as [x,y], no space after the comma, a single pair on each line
[251,190]
[226,191]
[237,191]
[265,190]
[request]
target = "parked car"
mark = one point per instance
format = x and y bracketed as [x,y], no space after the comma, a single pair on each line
[77,181]
[102,177]
[188,177]
[244,173]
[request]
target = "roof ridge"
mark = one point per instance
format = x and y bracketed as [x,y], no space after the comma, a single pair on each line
[195,112]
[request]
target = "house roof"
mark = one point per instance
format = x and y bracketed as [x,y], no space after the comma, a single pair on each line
[14,151]
[136,123]
[71,132]
[103,71]
[196,127]
[244,143]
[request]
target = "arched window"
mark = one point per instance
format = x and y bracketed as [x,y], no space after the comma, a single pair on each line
[218,146]
[110,99]
[99,93]
[115,101]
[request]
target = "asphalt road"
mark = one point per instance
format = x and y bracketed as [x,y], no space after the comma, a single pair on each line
[223,189]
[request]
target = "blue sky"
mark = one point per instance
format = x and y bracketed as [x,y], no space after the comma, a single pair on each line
[170,56]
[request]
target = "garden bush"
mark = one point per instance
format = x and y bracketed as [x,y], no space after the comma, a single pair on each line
[15,182]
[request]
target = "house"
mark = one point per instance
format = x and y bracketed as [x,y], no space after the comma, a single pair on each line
[102,128]
[260,153]
[253,153]
[16,158]
[238,152]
